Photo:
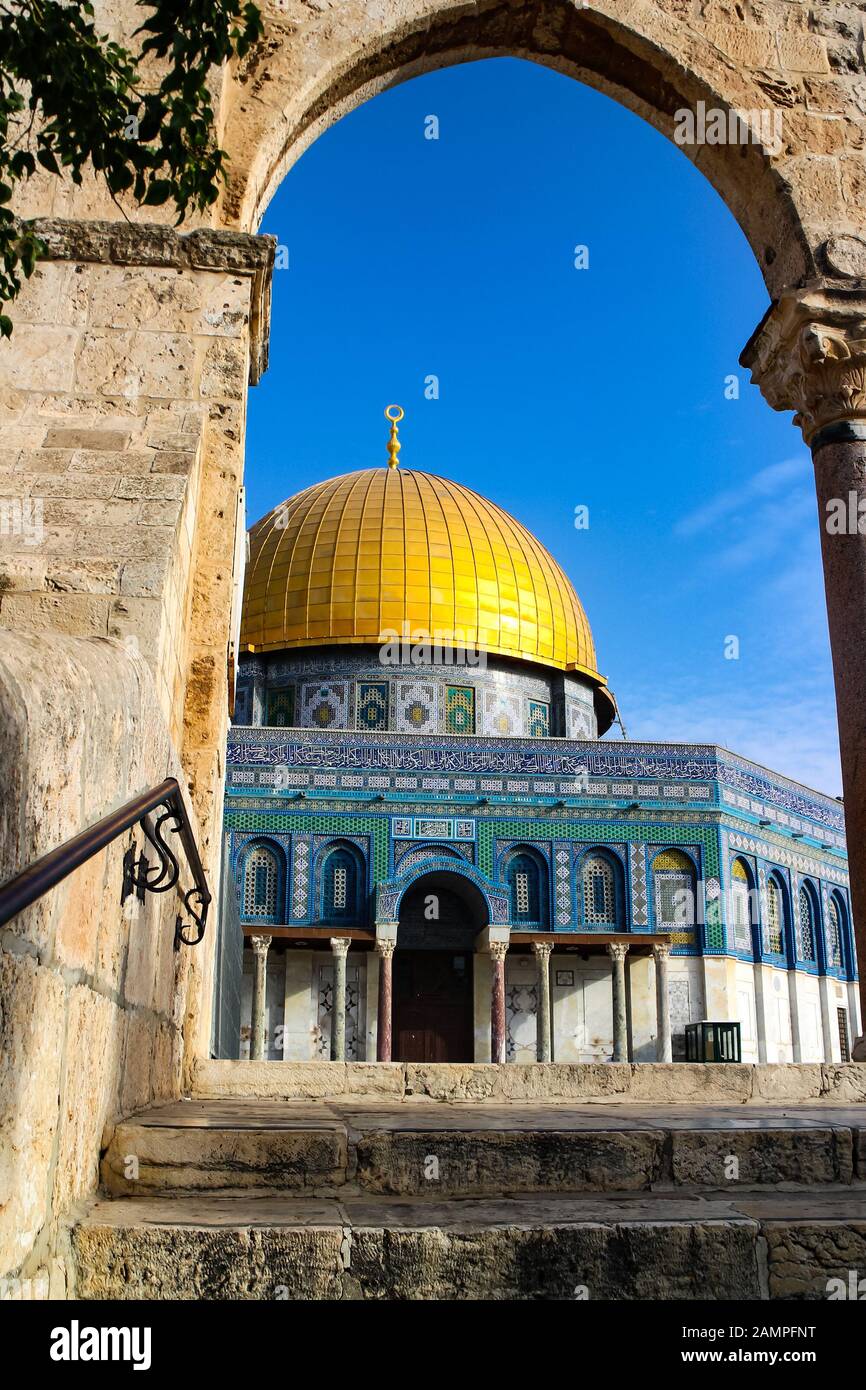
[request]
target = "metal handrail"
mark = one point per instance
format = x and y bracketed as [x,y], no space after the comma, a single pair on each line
[138,874]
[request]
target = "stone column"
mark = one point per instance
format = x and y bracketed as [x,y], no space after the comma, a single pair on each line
[498,950]
[261,945]
[542,950]
[385,952]
[617,950]
[340,947]
[661,954]
[809,355]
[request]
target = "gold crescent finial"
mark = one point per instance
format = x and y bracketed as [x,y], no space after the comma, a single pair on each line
[393,442]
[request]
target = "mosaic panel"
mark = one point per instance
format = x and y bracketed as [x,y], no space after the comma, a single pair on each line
[539,719]
[415,710]
[280,707]
[459,709]
[501,714]
[325,706]
[371,709]
[521,1010]
[637,871]
[300,878]
[562,885]
[579,721]
[408,853]
[325,1010]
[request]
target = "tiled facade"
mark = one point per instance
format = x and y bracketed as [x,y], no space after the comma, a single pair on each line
[465,804]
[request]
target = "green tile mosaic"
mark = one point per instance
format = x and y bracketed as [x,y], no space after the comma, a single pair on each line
[288,823]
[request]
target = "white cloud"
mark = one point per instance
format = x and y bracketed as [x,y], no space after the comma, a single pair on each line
[790,728]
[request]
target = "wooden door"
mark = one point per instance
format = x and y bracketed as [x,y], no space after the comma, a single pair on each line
[433,1006]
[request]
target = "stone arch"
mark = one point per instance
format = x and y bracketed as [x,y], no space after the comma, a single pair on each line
[311,69]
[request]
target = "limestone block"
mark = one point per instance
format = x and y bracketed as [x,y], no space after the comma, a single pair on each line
[129,363]
[181,1159]
[96,440]
[32,1026]
[803,1257]
[780,1082]
[690,1081]
[42,358]
[128,464]
[748,46]
[172,1262]
[802,52]
[269,1079]
[375,1079]
[471,1164]
[844,1081]
[702,1158]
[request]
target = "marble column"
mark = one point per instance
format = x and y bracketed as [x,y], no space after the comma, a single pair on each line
[261,945]
[617,950]
[498,951]
[385,952]
[661,954]
[340,947]
[541,951]
[809,355]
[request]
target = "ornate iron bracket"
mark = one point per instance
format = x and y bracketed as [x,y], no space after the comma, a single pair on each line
[140,876]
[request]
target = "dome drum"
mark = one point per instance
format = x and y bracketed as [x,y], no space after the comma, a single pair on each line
[333,688]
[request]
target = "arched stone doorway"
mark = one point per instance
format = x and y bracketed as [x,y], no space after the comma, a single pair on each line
[440,916]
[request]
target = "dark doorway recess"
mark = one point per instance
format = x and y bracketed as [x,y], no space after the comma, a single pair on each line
[440,916]
[433,1006]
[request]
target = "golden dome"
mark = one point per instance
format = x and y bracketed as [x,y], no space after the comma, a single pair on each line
[391,550]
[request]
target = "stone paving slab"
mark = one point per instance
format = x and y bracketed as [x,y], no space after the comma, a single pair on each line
[427,1115]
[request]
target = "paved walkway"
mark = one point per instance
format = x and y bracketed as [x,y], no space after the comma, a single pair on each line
[460,1116]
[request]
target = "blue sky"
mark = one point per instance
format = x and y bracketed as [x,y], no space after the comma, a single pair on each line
[560,387]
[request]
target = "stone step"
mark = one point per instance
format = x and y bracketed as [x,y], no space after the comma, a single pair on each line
[652,1246]
[422,1148]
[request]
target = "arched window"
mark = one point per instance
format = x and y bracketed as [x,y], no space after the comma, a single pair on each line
[600,896]
[674,890]
[525,878]
[341,883]
[741,906]
[806,913]
[261,883]
[775,938]
[834,933]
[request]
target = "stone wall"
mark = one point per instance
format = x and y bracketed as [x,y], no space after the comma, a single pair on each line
[92,992]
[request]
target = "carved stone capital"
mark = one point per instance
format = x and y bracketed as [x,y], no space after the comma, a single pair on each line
[661,951]
[541,950]
[261,944]
[385,947]
[340,945]
[809,355]
[617,950]
[498,951]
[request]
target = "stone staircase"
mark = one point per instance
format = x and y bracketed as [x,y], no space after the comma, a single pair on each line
[409,1198]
